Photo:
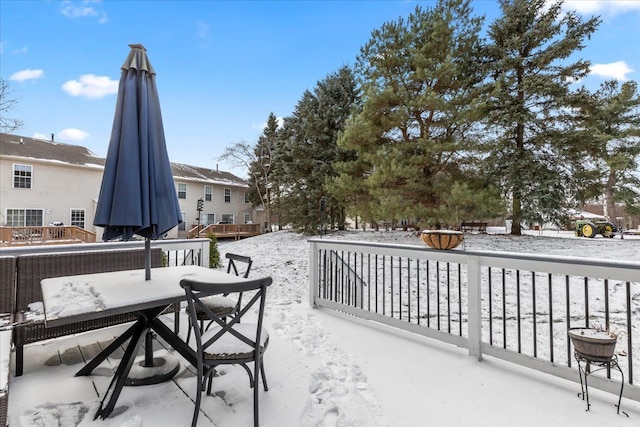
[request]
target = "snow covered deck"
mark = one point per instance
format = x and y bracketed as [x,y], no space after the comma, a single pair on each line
[361,373]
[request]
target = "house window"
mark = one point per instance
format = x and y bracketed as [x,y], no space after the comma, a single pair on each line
[24,217]
[246,197]
[247,218]
[77,217]
[22,176]
[227,195]
[183,225]
[227,218]
[208,193]
[211,219]
[182,190]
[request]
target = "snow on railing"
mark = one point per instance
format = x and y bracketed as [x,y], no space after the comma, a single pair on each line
[516,307]
[175,251]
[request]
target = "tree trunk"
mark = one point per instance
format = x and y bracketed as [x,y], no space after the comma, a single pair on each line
[516,228]
[610,205]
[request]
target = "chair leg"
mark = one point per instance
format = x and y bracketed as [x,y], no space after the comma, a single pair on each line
[210,381]
[189,331]
[264,377]
[256,414]
[196,410]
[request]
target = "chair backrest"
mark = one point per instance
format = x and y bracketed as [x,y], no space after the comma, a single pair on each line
[239,265]
[197,290]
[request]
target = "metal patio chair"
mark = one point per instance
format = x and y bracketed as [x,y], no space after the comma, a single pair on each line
[229,342]
[222,305]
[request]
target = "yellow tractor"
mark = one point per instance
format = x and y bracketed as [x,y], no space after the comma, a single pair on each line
[591,227]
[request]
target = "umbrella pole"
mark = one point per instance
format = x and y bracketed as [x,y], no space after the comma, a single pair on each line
[148,353]
[147,258]
[162,368]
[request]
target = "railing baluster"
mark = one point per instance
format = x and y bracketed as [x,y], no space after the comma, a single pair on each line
[409,289]
[568,303]
[438,291]
[490,304]
[391,284]
[419,313]
[535,323]
[384,283]
[460,298]
[428,297]
[448,298]
[629,332]
[504,309]
[518,317]
[586,302]
[551,317]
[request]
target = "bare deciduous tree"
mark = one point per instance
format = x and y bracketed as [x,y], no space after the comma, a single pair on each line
[7,103]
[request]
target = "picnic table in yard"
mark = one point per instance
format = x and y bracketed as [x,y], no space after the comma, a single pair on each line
[473,225]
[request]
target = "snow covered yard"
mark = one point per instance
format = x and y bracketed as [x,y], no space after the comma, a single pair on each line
[324,370]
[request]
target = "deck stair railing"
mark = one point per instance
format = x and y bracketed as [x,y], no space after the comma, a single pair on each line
[516,307]
[236,231]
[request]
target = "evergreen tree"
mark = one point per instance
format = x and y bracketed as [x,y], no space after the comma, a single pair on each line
[609,130]
[260,168]
[413,137]
[529,59]
[308,150]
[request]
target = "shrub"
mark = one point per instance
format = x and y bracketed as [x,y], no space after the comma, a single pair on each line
[214,254]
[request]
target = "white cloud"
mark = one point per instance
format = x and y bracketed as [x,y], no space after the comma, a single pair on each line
[617,70]
[83,9]
[91,86]
[596,7]
[27,74]
[72,134]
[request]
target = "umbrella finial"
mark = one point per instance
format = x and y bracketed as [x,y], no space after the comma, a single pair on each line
[137,46]
[138,59]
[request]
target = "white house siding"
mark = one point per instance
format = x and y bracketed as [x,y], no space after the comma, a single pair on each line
[217,206]
[56,188]
[73,179]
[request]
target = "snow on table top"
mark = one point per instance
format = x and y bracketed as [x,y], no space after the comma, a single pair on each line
[92,293]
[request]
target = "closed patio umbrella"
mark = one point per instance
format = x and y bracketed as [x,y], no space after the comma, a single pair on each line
[138,195]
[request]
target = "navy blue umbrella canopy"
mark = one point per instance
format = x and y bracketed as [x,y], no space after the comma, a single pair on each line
[137,195]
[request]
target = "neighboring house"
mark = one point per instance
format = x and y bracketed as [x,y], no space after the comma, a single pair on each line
[42,182]
[224,197]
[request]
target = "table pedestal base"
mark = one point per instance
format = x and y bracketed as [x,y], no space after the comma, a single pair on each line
[151,370]
[147,321]
[162,369]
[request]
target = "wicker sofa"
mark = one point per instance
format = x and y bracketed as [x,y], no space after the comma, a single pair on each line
[7,303]
[31,269]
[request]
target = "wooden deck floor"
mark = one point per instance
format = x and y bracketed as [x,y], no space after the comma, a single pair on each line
[61,358]
[307,386]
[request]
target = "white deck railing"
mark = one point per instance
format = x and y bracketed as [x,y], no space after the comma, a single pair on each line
[515,307]
[176,251]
